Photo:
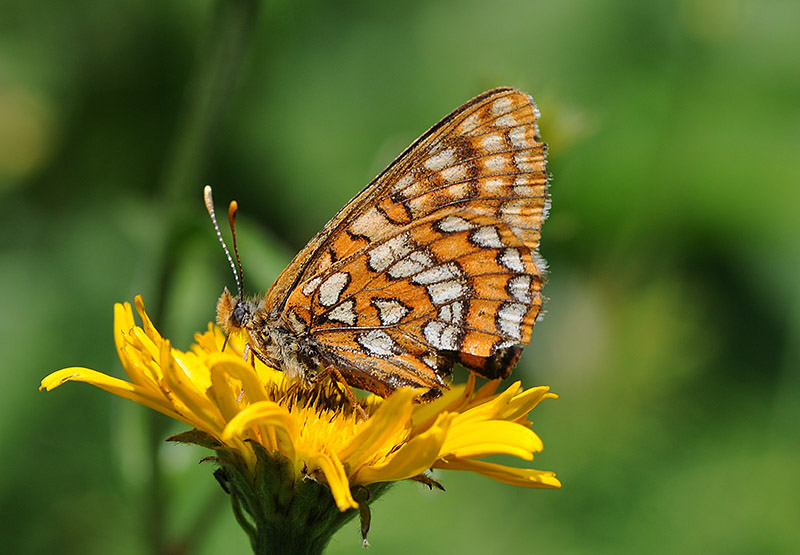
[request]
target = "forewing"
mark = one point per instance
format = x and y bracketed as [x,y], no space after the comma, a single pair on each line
[483,159]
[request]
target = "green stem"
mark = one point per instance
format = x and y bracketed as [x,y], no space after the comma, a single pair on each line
[215,75]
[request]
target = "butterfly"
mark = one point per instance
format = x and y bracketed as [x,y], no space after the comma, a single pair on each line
[434,263]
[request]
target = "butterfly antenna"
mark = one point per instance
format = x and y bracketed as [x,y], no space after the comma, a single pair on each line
[210,207]
[233,207]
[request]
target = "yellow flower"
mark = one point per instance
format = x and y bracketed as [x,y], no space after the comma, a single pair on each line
[245,410]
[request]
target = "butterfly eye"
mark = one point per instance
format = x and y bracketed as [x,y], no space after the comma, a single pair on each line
[241,314]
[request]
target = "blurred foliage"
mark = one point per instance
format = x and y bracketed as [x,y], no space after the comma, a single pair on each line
[674,248]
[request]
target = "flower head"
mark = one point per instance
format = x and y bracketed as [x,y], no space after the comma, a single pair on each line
[247,412]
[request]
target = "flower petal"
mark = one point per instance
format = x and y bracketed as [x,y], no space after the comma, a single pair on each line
[413,458]
[252,384]
[183,389]
[265,414]
[391,417]
[524,402]
[120,388]
[487,408]
[147,324]
[524,477]
[451,400]
[332,468]
[481,439]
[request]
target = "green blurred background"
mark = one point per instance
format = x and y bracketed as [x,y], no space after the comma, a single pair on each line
[674,247]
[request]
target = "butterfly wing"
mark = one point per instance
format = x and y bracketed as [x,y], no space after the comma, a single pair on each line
[435,261]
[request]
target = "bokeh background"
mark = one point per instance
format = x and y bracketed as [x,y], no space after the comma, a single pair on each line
[674,247]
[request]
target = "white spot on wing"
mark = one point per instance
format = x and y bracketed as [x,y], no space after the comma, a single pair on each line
[523,187]
[436,274]
[441,336]
[519,287]
[458,191]
[452,313]
[501,106]
[344,313]
[523,161]
[390,311]
[332,288]
[487,237]
[384,255]
[493,142]
[445,291]
[448,341]
[496,163]
[454,173]
[410,265]
[402,183]
[452,224]
[433,331]
[505,121]
[311,286]
[511,259]
[470,123]
[440,160]
[377,342]
[520,208]
[518,138]
[494,186]
[371,224]
[509,319]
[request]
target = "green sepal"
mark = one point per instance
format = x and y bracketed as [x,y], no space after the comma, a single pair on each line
[284,512]
[196,437]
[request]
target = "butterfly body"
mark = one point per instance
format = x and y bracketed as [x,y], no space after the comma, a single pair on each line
[435,262]
[273,340]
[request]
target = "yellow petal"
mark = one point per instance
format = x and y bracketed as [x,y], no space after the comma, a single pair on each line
[413,458]
[481,439]
[123,324]
[145,344]
[131,357]
[391,417]
[525,402]
[265,414]
[524,477]
[237,368]
[332,468]
[487,390]
[147,324]
[483,408]
[451,400]
[184,390]
[206,342]
[118,387]
[224,394]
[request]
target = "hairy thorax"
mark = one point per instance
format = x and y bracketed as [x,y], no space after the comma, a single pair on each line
[272,341]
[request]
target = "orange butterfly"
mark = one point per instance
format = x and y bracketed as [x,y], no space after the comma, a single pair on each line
[434,262]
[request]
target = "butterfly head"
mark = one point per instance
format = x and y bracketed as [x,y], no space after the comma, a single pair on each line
[234,314]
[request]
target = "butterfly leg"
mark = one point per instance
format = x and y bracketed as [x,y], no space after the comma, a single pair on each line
[337,375]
